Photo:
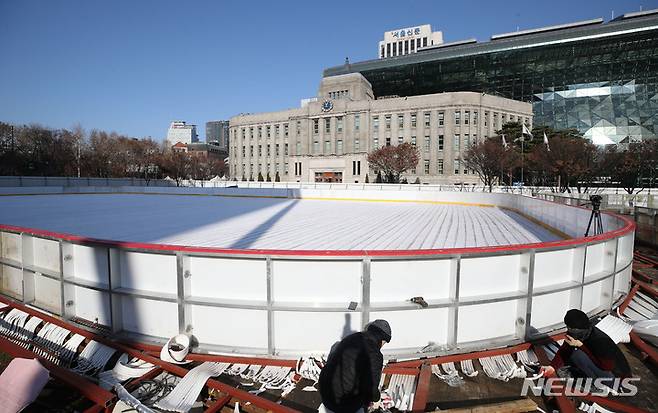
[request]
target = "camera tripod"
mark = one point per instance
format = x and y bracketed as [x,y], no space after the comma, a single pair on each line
[595,217]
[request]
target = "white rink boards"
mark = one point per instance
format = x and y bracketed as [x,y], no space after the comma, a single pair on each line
[295,275]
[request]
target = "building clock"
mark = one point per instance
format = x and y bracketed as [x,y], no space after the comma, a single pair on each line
[327,105]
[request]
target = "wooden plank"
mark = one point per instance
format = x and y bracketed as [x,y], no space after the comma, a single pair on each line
[514,406]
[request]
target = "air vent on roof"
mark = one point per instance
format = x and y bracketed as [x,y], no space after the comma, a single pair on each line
[547,29]
[444,45]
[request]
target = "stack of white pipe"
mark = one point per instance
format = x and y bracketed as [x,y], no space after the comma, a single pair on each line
[617,329]
[93,358]
[12,322]
[251,372]
[527,358]
[273,377]
[183,396]
[451,376]
[593,408]
[50,340]
[467,368]
[26,333]
[502,367]
[237,369]
[309,368]
[402,390]
[70,349]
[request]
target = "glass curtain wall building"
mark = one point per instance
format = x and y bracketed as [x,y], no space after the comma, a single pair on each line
[600,78]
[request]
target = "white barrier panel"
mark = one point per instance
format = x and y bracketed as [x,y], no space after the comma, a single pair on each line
[296,302]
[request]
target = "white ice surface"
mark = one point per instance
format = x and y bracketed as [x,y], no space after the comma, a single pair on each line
[226,222]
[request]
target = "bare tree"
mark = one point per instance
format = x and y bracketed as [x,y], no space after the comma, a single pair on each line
[394,160]
[489,160]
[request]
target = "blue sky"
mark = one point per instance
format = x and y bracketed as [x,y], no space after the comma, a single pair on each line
[133,66]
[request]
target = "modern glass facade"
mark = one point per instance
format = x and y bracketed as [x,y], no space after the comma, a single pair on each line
[600,78]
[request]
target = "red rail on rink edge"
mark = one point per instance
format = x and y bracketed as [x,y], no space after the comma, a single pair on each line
[626,229]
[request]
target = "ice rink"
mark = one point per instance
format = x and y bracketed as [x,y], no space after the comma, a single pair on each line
[270,223]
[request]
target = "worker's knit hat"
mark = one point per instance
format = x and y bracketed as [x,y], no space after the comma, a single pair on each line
[576,319]
[381,329]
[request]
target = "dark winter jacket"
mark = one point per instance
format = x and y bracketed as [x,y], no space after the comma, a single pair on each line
[350,379]
[601,350]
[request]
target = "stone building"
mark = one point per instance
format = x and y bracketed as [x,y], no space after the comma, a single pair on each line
[328,140]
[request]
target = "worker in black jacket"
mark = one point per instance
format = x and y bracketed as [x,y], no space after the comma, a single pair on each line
[349,381]
[587,352]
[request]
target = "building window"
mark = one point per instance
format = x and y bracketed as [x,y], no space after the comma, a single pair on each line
[285,130]
[456,166]
[455,146]
[276,131]
[467,141]
[375,122]
[395,49]
[424,41]
[440,142]
[285,168]
[400,139]
[327,125]
[441,117]
[458,116]
[381,53]
[475,117]
[339,147]
[242,131]
[244,149]
[388,50]
[388,141]
[316,126]
[400,121]
[276,167]
[413,120]
[375,142]
[406,46]
[486,118]
[426,163]
[316,147]
[260,132]
[299,127]
[357,146]
[426,146]
[267,128]
[467,116]
[356,168]
[387,120]
[475,139]
[413,141]
[276,152]
[439,166]
[327,147]
[495,120]
[260,150]
[339,124]
[418,43]
[426,116]
[268,149]
[298,148]
[357,122]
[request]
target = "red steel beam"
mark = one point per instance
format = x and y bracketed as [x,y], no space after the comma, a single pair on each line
[422,388]
[645,348]
[218,404]
[628,299]
[86,388]
[460,357]
[614,404]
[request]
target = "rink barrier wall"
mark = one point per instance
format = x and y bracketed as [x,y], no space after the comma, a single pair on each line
[298,302]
